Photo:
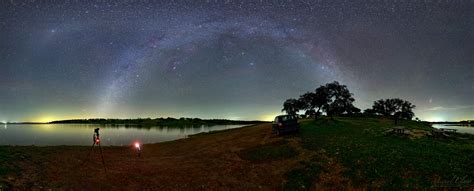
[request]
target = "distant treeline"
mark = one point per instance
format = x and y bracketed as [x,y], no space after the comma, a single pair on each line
[158,122]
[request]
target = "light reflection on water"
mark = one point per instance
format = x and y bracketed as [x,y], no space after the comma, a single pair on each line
[81,134]
[461,129]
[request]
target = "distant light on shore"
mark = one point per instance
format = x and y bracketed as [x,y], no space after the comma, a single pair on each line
[436,119]
[50,118]
[269,117]
[44,119]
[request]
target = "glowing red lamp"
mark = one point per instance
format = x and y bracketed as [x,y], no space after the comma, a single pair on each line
[137,146]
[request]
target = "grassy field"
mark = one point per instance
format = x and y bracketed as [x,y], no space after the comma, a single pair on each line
[370,158]
[344,153]
[359,154]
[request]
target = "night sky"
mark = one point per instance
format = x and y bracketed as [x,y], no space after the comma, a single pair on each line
[230,59]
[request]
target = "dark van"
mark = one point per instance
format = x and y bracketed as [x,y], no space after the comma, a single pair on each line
[285,124]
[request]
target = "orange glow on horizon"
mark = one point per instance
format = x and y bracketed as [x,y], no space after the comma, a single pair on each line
[44,119]
[269,117]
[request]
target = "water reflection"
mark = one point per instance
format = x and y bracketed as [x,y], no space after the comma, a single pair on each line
[460,129]
[81,134]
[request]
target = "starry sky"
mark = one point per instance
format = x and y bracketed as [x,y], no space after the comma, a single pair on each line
[230,59]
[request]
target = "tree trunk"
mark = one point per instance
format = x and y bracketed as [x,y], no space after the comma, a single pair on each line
[316,114]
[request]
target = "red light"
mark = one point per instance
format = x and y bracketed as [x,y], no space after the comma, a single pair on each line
[137,145]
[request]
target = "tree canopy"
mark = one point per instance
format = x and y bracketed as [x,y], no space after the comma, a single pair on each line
[310,101]
[339,99]
[394,107]
[291,106]
[336,99]
[332,98]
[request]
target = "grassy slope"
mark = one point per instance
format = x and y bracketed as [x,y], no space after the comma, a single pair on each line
[372,159]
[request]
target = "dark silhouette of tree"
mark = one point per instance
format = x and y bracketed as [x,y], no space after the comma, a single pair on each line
[353,111]
[339,99]
[385,107]
[395,107]
[291,106]
[369,112]
[332,98]
[313,102]
[311,113]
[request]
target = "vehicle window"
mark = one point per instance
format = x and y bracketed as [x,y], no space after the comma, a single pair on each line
[286,118]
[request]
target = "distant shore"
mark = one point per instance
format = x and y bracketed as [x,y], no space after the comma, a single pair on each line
[148,122]
[454,123]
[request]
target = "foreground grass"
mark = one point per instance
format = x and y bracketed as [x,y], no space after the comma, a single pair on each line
[375,160]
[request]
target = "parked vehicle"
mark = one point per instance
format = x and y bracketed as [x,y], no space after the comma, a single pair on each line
[285,124]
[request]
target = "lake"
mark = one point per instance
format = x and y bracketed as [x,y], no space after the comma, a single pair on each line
[461,129]
[81,134]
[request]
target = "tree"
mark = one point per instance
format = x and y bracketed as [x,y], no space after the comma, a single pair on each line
[291,106]
[369,112]
[353,111]
[394,107]
[312,113]
[313,102]
[339,99]
[332,98]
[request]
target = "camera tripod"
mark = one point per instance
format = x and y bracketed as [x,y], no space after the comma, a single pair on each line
[96,140]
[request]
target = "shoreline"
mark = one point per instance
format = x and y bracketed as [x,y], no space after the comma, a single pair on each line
[343,153]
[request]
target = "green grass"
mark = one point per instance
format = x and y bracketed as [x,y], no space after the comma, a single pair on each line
[369,155]
[275,151]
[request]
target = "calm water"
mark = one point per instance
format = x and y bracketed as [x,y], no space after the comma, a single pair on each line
[81,134]
[461,129]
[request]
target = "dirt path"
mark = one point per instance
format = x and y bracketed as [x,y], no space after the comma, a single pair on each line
[203,162]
